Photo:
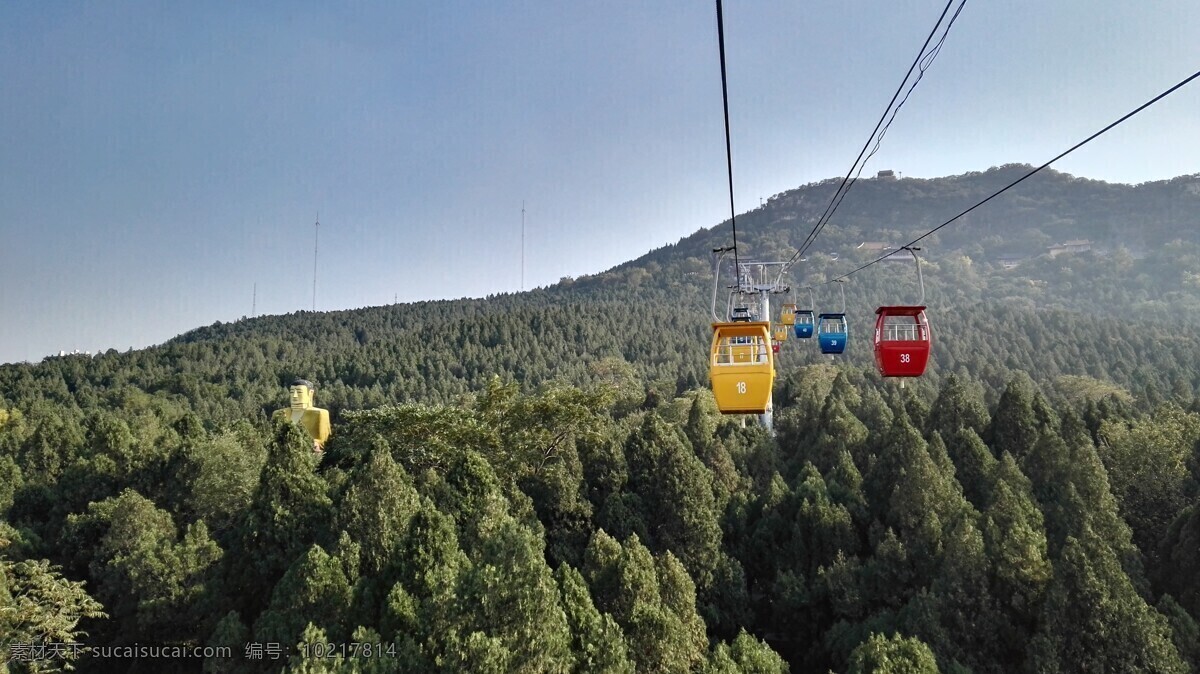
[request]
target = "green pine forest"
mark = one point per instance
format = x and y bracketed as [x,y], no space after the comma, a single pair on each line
[541,482]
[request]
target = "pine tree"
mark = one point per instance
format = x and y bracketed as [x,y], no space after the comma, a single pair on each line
[152,580]
[509,596]
[701,426]
[1071,487]
[223,472]
[678,595]
[11,482]
[1185,631]
[1179,555]
[959,406]
[720,661]
[1091,481]
[1094,620]
[756,657]
[913,496]
[845,484]
[769,530]
[659,629]
[700,429]
[726,605]
[839,431]
[314,640]
[285,517]
[471,493]
[605,470]
[874,411]
[1147,469]
[232,634]
[897,655]
[887,579]
[913,405]
[38,606]
[378,503]
[314,590]
[941,456]
[401,621]
[1015,426]
[597,643]
[970,620]
[676,492]
[1015,538]
[601,567]
[821,529]
[425,573]
[973,465]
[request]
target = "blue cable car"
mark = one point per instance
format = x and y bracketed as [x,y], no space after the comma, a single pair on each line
[832,329]
[832,333]
[805,321]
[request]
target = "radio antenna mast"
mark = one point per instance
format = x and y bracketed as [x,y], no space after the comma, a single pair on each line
[316,237]
[522,244]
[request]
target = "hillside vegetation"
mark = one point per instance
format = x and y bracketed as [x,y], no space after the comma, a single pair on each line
[541,483]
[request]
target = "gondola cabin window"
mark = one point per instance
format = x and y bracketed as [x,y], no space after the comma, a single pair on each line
[832,325]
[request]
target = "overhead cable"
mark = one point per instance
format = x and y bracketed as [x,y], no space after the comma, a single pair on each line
[925,63]
[922,61]
[728,145]
[1030,173]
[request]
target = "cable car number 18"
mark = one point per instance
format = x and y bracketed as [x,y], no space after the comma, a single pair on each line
[741,387]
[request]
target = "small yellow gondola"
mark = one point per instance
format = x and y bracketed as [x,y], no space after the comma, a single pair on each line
[780,332]
[742,367]
[787,315]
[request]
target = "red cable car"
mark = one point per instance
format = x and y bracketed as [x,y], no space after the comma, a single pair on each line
[902,335]
[902,341]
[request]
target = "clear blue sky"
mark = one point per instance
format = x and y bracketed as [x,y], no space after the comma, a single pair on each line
[158,159]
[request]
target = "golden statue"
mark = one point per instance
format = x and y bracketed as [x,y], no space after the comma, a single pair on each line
[314,420]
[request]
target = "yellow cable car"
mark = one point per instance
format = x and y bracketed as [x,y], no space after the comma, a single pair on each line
[742,367]
[780,332]
[787,315]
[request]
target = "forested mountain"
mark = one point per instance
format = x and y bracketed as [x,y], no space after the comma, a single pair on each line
[540,482]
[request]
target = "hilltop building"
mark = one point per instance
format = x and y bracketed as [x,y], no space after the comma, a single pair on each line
[1010,261]
[1072,246]
[873,247]
[886,174]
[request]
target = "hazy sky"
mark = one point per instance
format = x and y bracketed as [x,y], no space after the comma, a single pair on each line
[159,159]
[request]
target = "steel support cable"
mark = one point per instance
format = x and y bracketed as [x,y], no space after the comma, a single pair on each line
[728,146]
[926,61]
[842,187]
[1018,181]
